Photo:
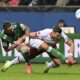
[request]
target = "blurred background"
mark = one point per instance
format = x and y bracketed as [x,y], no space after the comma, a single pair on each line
[47,13]
[40,2]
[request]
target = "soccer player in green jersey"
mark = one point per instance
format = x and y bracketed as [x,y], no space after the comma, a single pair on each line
[14,33]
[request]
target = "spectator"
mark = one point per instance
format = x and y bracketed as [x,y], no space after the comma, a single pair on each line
[13,2]
[25,2]
[62,23]
[61,2]
[46,2]
[66,28]
[3,2]
[74,2]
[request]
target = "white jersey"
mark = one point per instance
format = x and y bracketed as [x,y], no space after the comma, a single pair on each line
[45,35]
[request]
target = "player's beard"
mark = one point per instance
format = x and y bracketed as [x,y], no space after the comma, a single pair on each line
[56,39]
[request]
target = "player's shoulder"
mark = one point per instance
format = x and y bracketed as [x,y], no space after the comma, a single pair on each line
[3,35]
[19,25]
[63,33]
[2,32]
[48,29]
[16,24]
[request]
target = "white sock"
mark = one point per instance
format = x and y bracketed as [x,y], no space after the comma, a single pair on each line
[66,61]
[14,61]
[52,65]
[17,60]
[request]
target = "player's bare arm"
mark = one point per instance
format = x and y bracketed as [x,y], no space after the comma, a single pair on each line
[70,43]
[8,47]
[27,31]
[33,34]
[25,37]
[70,55]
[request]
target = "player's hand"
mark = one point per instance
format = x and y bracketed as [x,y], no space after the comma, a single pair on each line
[70,58]
[26,41]
[19,41]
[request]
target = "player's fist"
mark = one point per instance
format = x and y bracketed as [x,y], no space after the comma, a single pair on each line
[70,60]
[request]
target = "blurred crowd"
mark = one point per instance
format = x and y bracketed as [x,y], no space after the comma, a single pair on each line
[14,2]
[39,2]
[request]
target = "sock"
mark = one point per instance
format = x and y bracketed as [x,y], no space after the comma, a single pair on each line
[14,61]
[52,65]
[25,55]
[53,52]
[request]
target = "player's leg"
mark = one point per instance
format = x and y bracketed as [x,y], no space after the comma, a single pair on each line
[39,44]
[53,52]
[8,63]
[25,52]
[24,57]
[53,64]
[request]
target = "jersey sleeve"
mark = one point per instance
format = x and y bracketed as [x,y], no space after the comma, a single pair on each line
[23,26]
[41,34]
[66,38]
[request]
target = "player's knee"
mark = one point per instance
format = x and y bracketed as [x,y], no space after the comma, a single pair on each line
[44,46]
[23,48]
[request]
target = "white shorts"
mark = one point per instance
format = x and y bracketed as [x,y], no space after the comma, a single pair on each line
[35,43]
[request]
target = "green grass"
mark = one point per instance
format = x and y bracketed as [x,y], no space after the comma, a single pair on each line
[18,72]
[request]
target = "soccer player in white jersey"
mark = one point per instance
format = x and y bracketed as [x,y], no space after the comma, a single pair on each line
[52,37]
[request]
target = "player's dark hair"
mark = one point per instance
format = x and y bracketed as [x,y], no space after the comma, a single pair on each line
[57,29]
[6,25]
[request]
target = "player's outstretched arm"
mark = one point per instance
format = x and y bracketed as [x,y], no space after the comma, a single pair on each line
[70,43]
[8,47]
[33,34]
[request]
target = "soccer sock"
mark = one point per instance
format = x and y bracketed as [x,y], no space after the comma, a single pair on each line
[14,61]
[54,52]
[25,54]
[52,65]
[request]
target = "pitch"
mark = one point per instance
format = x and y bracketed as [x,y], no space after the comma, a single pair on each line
[17,72]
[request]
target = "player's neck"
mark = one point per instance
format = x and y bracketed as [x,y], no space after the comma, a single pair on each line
[51,34]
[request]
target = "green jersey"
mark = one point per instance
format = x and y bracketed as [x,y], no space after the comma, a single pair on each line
[18,31]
